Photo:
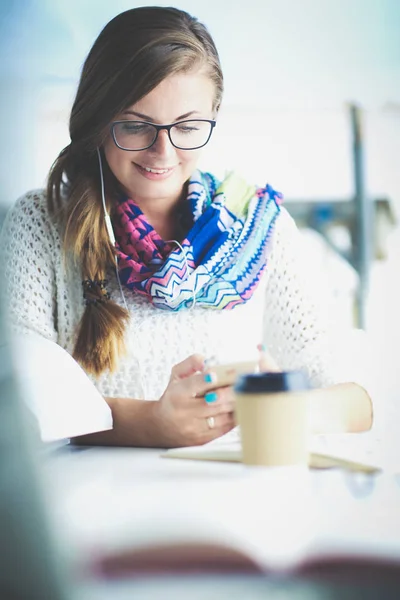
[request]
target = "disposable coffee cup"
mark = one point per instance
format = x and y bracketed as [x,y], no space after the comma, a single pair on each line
[272,411]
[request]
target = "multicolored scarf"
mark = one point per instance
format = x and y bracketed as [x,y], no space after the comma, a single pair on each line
[220,262]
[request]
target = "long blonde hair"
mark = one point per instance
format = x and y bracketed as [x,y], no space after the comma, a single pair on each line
[135,51]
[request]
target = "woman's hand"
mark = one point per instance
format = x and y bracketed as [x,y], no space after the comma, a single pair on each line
[191,411]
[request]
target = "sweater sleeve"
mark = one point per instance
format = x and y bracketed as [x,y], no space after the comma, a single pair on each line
[27,265]
[296,331]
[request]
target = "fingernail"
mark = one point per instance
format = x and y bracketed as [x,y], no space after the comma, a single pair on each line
[261,347]
[210,377]
[210,397]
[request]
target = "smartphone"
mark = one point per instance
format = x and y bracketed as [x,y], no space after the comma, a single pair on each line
[228,373]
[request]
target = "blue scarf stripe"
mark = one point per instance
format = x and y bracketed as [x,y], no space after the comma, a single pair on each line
[226,253]
[232,251]
[258,243]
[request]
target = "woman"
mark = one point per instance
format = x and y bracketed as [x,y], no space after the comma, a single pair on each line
[141,266]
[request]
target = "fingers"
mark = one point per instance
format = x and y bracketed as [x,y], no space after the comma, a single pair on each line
[214,427]
[191,365]
[199,431]
[216,402]
[197,394]
[223,403]
[196,409]
[196,385]
[219,421]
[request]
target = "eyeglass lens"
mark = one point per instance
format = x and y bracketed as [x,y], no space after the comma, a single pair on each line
[137,135]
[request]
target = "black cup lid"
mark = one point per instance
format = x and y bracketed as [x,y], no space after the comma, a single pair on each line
[286,381]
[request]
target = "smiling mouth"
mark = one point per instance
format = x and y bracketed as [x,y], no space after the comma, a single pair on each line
[157,171]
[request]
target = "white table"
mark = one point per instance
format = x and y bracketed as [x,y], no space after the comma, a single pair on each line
[104,500]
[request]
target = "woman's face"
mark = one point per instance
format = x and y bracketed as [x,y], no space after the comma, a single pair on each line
[182,96]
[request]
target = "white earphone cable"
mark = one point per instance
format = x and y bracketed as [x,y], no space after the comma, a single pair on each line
[112,240]
[109,226]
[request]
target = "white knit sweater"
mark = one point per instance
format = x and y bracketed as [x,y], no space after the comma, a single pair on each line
[45,296]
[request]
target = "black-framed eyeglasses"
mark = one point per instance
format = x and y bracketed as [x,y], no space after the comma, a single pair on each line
[140,135]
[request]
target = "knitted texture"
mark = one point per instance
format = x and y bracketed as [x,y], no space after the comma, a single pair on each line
[44,295]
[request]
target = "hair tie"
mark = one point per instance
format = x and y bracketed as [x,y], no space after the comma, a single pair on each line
[94,291]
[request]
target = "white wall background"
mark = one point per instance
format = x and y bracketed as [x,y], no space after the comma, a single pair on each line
[291,67]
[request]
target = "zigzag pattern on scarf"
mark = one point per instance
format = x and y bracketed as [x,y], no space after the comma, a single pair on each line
[221,295]
[230,250]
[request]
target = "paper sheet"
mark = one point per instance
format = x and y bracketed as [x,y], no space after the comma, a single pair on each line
[356,451]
